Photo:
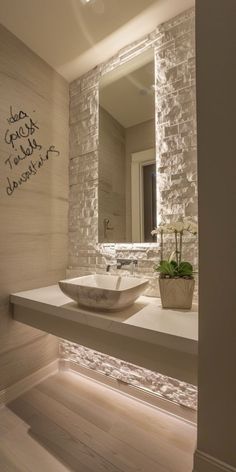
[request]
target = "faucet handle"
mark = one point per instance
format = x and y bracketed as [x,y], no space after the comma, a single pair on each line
[111,264]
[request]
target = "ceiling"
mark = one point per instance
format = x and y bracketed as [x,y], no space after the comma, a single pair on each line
[74,36]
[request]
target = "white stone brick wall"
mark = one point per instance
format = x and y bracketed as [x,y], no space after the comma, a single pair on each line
[168,388]
[174,52]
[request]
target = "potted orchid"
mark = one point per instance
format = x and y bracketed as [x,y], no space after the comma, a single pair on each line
[176,279]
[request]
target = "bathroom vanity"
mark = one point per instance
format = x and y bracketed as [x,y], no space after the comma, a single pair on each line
[143,334]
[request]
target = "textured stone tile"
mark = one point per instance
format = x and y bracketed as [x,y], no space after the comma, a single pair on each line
[171,389]
[175,98]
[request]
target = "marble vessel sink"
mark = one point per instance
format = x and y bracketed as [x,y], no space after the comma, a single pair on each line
[105,292]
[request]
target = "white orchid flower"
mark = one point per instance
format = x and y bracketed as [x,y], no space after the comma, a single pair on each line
[190,226]
[167,228]
[161,229]
[178,226]
[193,228]
[155,231]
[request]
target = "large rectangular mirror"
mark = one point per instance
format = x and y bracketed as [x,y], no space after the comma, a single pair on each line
[127,162]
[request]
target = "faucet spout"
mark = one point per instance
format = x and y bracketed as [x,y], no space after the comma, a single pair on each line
[128,264]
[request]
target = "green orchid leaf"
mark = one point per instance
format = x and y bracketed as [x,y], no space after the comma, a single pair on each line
[185,269]
[167,268]
[174,264]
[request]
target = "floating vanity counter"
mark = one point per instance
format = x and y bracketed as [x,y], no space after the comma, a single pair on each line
[143,334]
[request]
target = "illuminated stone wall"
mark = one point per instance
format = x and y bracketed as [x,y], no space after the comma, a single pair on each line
[165,387]
[174,52]
[173,44]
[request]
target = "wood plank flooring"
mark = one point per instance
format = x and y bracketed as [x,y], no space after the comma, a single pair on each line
[71,423]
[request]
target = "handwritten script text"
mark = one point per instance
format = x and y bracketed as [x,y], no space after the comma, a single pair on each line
[23,144]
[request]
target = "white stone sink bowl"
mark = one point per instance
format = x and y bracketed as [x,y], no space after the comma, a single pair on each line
[104,292]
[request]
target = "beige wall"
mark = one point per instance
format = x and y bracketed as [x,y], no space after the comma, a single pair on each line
[216,79]
[33,236]
[137,138]
[111,196]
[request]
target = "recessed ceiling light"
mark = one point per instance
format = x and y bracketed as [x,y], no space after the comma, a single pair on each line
[85,2]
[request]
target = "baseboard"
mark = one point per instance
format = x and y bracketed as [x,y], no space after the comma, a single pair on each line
[10,393]
[205,463]
[182,412]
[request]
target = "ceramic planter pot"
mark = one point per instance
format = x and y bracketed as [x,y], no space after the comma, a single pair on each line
[176,293]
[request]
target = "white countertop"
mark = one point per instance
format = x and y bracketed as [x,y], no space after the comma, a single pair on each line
[145,320]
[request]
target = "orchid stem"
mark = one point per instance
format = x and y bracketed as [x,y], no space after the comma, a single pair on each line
[180,246]
[176,247]
[162,246]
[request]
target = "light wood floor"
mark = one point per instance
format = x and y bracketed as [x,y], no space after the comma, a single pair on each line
[70,423]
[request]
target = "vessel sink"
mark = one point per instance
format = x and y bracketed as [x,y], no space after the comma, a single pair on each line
[105,292]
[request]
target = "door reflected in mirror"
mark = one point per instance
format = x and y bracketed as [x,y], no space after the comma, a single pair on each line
[127,163]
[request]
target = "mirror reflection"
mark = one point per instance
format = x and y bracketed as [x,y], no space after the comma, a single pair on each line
[127,166]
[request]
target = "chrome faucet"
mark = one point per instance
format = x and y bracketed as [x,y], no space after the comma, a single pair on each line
[125,263]
[112,264]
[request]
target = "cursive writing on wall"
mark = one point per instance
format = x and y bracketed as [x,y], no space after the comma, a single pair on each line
[24,149]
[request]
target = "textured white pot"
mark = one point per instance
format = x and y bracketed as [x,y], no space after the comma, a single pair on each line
[176,293]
